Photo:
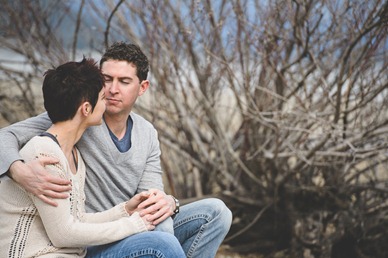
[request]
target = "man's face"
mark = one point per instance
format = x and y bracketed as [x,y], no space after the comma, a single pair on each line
[122,86]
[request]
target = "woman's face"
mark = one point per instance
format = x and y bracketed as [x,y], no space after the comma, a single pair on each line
[96,116]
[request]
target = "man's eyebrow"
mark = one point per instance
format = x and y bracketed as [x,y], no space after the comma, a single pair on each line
[125,78]
[120,78]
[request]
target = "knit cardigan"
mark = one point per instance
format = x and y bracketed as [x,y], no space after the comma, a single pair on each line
[32,228]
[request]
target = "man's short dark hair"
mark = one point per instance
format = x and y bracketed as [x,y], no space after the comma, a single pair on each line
[70,84]
[131,53]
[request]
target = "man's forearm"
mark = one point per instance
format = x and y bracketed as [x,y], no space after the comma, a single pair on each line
[9,154]
[16,135]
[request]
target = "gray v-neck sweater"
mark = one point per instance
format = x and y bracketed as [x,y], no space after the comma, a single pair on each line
[111,176]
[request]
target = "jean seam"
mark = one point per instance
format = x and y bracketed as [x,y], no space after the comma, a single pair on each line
[195,242]
[153,252]
[199,216]
[199,234]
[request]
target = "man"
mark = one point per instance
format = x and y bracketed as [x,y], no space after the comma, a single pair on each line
[122,158]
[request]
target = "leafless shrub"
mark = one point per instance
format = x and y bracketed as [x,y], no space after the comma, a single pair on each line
[277,107]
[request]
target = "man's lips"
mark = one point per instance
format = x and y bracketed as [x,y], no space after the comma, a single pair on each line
[112,100]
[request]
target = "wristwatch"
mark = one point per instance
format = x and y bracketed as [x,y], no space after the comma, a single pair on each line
[176,211]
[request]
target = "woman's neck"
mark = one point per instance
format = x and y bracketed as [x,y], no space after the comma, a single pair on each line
[67,134]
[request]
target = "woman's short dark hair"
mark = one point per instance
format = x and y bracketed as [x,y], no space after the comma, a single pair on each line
[70,84]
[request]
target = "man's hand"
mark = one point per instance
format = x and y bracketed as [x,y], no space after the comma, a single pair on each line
[158,206]
[33,177]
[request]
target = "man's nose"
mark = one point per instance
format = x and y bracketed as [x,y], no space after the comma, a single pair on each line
[113,87]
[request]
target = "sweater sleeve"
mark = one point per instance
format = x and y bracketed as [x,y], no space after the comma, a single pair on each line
[114,213]
[152,175]
[63,229]
[13,137]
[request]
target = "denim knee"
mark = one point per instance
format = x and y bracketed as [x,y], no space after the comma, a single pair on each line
[169,245]
[209,221]
[166,226]
[216,212]
[222,213]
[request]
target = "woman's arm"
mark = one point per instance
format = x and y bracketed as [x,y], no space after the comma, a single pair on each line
[66,230]
[31,175]
[120,210]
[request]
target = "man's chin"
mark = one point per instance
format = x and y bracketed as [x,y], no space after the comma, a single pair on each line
[111,111]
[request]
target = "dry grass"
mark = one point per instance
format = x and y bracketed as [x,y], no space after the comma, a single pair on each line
[225,252]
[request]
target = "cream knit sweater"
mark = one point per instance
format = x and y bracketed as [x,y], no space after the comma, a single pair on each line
[32,228]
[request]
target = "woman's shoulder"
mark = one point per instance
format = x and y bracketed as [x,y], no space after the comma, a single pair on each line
[41,146]
[44,142]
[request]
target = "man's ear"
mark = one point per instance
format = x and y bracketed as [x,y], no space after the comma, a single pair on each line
[144,86]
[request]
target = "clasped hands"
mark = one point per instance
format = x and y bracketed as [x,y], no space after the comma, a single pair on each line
[153,206]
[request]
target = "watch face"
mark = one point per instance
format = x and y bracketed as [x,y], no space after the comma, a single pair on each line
[176,205]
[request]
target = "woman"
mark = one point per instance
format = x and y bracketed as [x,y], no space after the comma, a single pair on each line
[74,100]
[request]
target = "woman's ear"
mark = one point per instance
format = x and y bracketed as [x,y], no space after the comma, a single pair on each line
[86,108]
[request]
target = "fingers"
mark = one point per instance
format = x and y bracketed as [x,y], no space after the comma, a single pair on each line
[56,194]
[159,216]
[51,187]
[49,196]
[154,196]
[55,186]
[148,223]
[42,174]
[47,161]
[150,206]
[132,204]
[156,222]
[150,227]
[142,196]
[33,177]
[157,207]
[47,200]
[58,184]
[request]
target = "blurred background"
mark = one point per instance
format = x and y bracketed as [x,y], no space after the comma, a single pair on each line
[277,107]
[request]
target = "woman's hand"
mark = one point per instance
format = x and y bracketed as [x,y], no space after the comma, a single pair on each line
[132,205]
[148,223]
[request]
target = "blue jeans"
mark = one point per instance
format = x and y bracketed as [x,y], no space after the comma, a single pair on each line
[200,227]
[151,244]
